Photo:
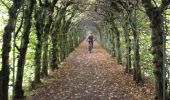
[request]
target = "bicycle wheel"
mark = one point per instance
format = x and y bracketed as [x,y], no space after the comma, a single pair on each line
[90,47]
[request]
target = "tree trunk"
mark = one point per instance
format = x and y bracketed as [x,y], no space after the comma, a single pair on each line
[64,45]
[128,49]
[157,48]
[54,38]
[113,45]
[117,43]
[19,92]
[59,53]
[156,18]
[137,69]
[37,59]
[64,29]
[39,15]
[45,56]
[50,28]
[54,51]
[71,42]
[6,47]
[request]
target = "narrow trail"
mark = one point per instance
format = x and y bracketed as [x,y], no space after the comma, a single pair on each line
[94,76]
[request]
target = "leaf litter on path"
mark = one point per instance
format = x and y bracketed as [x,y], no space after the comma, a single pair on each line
[92,76]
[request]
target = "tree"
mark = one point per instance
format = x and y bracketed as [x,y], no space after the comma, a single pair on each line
[156,19]
[137,69]
[117,42]
[10,27]
[23,48]
[39,15]
[55,34]
[128,47]
[49,7]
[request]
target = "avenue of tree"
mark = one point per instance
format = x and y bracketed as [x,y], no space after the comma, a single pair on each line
[40,34]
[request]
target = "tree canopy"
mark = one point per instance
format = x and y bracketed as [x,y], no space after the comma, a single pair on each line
[37,35]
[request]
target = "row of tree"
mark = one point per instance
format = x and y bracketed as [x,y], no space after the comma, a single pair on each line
[122,21]
[49,22]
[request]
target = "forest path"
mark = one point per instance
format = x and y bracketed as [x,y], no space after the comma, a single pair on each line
[94,76]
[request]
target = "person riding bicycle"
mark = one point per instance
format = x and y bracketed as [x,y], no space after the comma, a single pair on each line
[90,38]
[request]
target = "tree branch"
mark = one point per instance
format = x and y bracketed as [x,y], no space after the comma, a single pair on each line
[40,3]
[5,4]
[148,7]
[155,3]
[164,5]
[17,47]
[16,33]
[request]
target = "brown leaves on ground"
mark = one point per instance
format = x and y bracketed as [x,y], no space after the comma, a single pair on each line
[94,76]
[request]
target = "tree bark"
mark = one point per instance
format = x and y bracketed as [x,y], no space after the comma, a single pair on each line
[128,49]
[157,48]
[54,38]
[156,19]
[117,43]
[113,45]
[39,15]
[64,29]
[137,69]
[6,48]
[44,71]
[19,92]
[37,59]
[49,29]
[45,55]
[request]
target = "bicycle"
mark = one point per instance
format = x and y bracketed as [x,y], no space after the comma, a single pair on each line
[90,47]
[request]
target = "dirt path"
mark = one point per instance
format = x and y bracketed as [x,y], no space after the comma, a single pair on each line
[94,76]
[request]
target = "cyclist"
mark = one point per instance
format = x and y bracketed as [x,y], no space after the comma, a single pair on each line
[90,38]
